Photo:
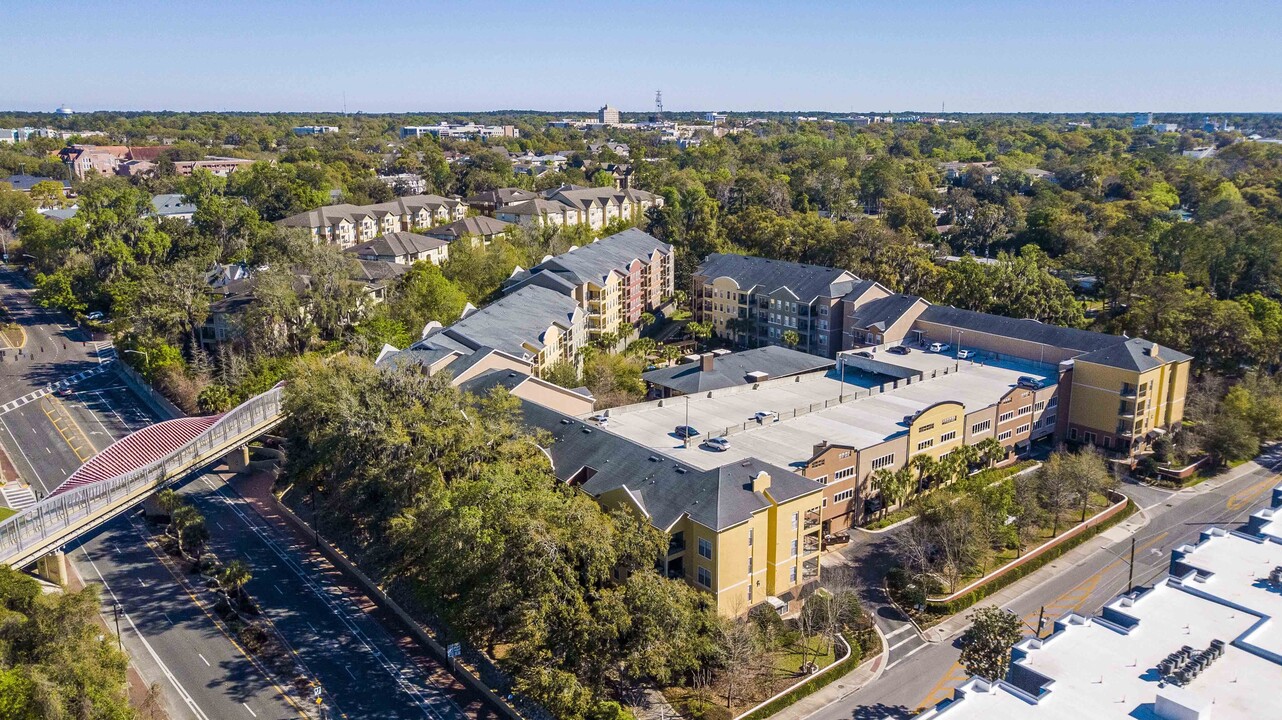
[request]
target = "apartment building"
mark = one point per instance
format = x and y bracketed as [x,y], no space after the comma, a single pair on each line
[537,325]
[755,301]
[403,248]
[742,531]
[1120,393]
[608,115]
[347,225]
[614,279]
[577,205]
[480,229]
[302,130]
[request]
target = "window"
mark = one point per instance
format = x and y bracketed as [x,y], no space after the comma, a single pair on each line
[948,420]
[1037,424]
[750,537]
[1049,420]
[843,495]
[1004,435]
[926,427]
[980,427]
[792,549]
[1022,429]
[843,474]
[1039,405]
[794,521]
[792,575]
[950,435]
[704,577]
[925,443]
[1005,416]
[749,565]
[1025,410]
[1090,438]
[843,454]
[822,479]
[823,311]
[883,461]
[1072,433]
[1053,402]
[705,549]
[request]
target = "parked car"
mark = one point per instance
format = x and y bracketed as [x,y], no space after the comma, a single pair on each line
[96,316]
[764,415]
[899,350]
[939,347]
[685,432]
[64,392]
[1030,382]
[863,354]
[601,419]
[965,354]
[717,444]
[873,504]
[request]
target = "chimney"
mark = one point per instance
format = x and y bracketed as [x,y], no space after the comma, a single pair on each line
[1153,352]
[819,447]
[761,481]
[706,362]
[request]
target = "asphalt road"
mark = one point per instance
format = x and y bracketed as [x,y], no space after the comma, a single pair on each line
[920,674]
[55,348]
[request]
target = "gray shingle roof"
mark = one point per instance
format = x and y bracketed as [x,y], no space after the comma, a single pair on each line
[513,321]
[1134,354]
[397,244]
[594,261]
[478,225]
[730,370]
[807,282]
[883,312]
[718,498]
[1071,338]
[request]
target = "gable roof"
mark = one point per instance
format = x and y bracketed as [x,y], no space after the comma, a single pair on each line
[478,225]
[1134,354]
[514,322]
[397,244]
[26,182]
[807,282]
[594,261]
[733,368]
[171,204]
[666,489]
[883,312]
[1031,330]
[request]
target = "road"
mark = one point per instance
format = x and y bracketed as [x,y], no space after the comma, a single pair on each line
[920,674]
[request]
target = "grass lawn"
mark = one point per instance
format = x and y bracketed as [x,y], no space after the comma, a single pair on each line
[6,513]
[790,662]
[14,335]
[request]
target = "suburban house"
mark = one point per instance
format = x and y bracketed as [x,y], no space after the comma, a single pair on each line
[614,279]
[24,183]
[171,205]
[479,227]
[402,248]
[347,225]
[756,301]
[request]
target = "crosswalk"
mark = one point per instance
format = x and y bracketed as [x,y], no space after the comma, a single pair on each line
[53,387]
[17,497]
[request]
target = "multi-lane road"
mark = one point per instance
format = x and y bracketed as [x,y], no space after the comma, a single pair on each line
[335,635]
[921,672]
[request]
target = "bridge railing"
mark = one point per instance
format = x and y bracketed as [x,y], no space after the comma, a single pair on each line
[47,518]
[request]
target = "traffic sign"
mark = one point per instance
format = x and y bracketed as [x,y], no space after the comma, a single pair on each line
[454,650]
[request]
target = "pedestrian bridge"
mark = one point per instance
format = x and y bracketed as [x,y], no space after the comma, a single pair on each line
[128,471]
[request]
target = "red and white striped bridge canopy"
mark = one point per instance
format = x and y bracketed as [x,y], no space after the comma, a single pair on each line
[137,449]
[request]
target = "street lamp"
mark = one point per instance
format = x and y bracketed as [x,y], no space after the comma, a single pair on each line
[119,643]
[957,355]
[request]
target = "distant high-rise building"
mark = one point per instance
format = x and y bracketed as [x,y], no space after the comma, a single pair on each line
[1142,120]
[608,115]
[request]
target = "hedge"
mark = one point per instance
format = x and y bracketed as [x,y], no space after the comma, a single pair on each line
[953,607]
[835,671]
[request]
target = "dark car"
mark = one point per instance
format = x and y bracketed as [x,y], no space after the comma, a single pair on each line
[899,350]
[64,392]
[686,432]
[864,354]
[1030,382]
[873,504]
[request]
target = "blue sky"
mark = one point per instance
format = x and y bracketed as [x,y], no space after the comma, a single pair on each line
[983,55]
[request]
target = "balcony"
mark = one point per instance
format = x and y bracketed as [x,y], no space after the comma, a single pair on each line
[810,569]
[676,545]
[1128,391]
[810,545]
[812,520]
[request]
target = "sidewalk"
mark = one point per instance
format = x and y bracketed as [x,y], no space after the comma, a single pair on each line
[865,674]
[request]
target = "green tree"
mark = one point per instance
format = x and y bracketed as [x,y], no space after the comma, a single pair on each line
[215,398]
[791,338]
[14,204]
[233,578]
[422,295]
[986,644]
[47,194]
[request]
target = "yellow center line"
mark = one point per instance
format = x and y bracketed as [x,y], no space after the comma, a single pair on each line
[953,673]
[1245,497]
[67,427]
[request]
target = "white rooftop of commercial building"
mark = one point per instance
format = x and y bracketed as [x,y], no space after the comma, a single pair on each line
[1105,667]
[809,412]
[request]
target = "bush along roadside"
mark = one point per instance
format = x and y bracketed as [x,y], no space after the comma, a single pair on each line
[832,673]
[955,606]
[981,479]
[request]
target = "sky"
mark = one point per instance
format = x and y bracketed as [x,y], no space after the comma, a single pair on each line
[413,56]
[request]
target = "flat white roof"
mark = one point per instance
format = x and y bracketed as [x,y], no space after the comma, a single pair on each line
[1106,667]
[860,423]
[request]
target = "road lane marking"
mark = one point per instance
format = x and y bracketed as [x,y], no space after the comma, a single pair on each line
[167,618]
[313,627]
[35,476]
[251,710]
[909,654]
[349,672]
[898,631]
[202,657]
[948,678]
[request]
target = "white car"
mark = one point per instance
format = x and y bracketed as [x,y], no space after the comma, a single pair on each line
[717,444]
[601,419]
[965,354]
[939,347]
[764,415]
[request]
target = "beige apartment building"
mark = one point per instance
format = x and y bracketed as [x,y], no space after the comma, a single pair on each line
[346,225]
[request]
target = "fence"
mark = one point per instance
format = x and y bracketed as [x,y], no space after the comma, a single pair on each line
[51,522]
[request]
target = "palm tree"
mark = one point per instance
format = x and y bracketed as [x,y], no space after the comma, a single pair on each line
[925,465]
[990,451]
[968,455]
[791,338]
[234,576]
[167,500]
[647,319]
[180,516]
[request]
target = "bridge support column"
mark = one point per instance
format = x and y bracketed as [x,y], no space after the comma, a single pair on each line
[238,460]
[53,567]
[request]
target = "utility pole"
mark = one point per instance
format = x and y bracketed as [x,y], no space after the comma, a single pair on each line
[119,643]
[1130,575]
[1041,621]
[841,389]
[685,430]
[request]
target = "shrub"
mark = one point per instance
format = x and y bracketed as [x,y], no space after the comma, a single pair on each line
[833,672]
